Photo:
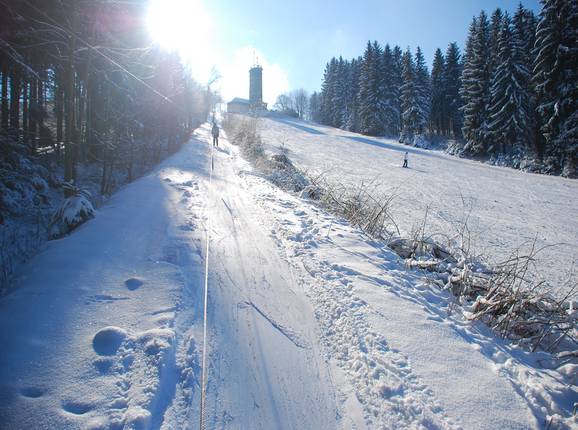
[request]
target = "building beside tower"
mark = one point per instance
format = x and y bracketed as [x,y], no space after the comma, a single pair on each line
[255,103]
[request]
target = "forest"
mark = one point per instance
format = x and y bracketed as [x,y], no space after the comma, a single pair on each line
[511,94]
[88,103]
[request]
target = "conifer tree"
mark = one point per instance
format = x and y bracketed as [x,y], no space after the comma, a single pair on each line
[397,79]
[475,86]
[338,99]
[370,107]
[351,115]
[509,103]
[496,22]
[452,83]
[327,92]
[423,88]
[411,114]
[555,77]
[438,102]
[391,112]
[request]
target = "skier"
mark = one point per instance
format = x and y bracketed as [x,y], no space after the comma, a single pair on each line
[405,159]
[215,133]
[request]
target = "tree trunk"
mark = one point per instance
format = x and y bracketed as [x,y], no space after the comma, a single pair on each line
[59,107]
[15,100]
[69,171]
[5,110]
[41,109]
[33,114]
[25,113]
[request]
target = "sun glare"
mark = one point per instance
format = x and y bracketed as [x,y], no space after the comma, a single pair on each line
[185,27]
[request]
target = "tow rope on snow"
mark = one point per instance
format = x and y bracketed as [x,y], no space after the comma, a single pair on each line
[206,295]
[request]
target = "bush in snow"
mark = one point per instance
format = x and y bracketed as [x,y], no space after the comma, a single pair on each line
[242,131]
[284,174]
[74,211]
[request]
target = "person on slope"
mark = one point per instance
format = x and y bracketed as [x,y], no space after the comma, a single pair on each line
[405,159]
[215,133]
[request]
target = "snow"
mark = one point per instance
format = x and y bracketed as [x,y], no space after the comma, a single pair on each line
[311,324]
[506,209]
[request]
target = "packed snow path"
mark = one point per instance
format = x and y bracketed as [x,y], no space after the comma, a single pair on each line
[505,208]
[311,325]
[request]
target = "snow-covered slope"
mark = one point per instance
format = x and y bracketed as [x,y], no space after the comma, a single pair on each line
[311,325]
[508,207]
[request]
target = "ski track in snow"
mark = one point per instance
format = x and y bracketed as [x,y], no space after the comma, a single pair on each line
[311,324]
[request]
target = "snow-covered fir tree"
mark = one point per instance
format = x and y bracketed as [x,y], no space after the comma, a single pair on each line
[475,90]
[370,89]
[315,107]
[327,91]
[452,83]
[438,119]
[555,78]
[509,102]
[350,118]
[496,22]
[391,114]
[423,87]
[338,99]
[411,115]
[516,88]
[396,77]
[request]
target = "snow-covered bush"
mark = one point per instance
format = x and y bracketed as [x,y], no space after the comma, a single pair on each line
[515,305]
[283,173]
[74,211]
[23,181]
[242,131]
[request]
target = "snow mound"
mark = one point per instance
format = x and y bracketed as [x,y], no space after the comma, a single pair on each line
[137,418]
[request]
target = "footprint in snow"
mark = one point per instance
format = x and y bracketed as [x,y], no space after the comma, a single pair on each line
[76,408]
[103,365]
[187,227]
[108,340]
[103,298]
[133,283]
[32,392]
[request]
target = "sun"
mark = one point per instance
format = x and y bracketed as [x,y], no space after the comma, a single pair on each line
[185,27]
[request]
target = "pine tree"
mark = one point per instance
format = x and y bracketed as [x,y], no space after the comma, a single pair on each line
[438,102]
[423,88]
[475,86]
[555,77]
[338,96]
[370,91]
[351,112]
[397,79]
[411,115]
[509,103]
[327,92]
[452,83]
[496,23]
[524,31]
[391,112]
[315,107]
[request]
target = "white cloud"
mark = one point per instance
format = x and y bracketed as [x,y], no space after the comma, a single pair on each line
[235,76]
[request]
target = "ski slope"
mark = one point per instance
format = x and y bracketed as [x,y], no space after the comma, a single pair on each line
[311,325]
[506,209]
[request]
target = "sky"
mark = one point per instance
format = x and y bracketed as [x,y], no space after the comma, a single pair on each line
[294,39]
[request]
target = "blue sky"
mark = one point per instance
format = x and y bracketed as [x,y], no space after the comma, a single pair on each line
[295,38]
